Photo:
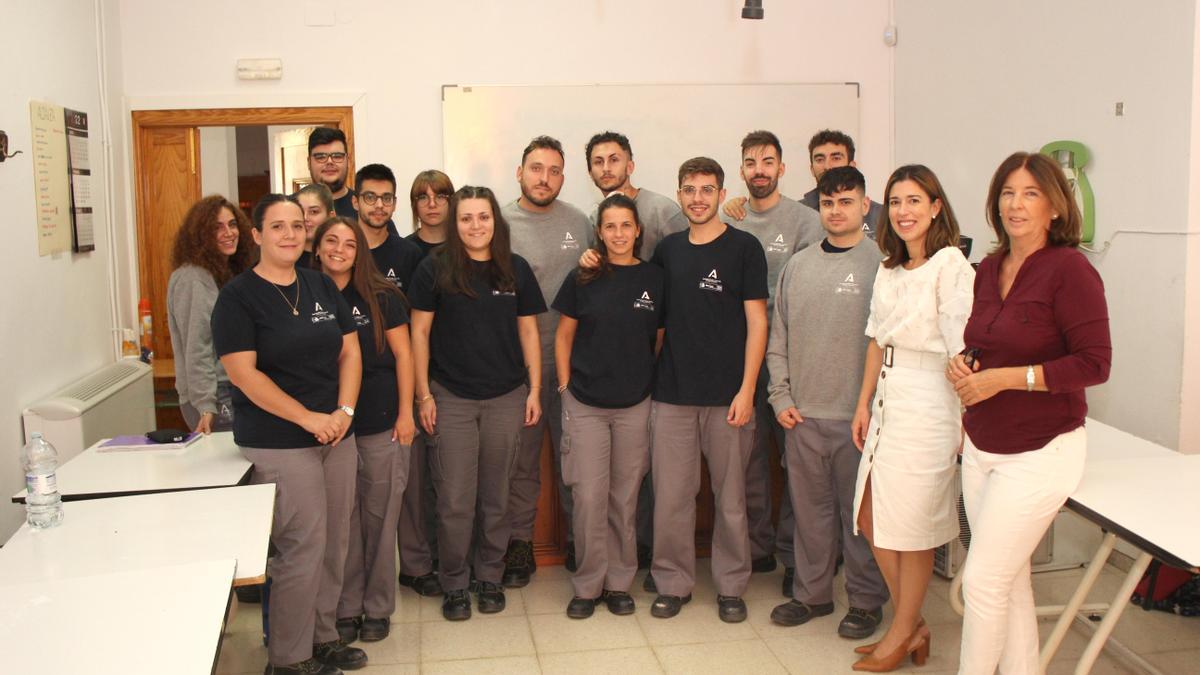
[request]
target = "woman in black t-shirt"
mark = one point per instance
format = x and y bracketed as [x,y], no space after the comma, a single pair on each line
[383,426]
[286,337]
[607,340]
[475,345]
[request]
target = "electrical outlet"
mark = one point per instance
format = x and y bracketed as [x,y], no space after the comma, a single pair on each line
[1120,109]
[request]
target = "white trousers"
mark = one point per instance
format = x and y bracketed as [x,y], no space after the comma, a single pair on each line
[1010,501]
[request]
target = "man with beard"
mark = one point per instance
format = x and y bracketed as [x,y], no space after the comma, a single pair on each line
[610,164]
[783,226]
[704,391]
[550,234]
[396,257]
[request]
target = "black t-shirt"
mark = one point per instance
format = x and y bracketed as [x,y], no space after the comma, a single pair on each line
[425,246]
[397,259]
[704,350]
[305,261]
[379,397]
[612,359]
[344,206]
[474,349]
[830,248]
[298,353]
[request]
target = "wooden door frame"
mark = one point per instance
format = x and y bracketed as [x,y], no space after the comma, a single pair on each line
[341,117]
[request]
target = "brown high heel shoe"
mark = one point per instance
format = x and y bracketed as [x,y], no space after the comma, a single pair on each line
[867,649]
[876,663]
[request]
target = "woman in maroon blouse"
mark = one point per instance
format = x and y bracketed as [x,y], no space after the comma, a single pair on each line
[1037,337]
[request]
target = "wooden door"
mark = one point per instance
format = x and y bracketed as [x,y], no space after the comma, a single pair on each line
[168,175]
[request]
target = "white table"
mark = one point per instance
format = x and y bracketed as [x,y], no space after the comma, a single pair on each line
[213,461]
[102,536]
[114,623]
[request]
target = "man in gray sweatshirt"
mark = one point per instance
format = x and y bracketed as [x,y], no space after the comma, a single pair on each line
[815,357]
[551,235]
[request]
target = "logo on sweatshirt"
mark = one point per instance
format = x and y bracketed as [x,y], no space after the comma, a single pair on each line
[644,302]
[778,245]
[712,282]
[848,286]
[319,314]
[569,242]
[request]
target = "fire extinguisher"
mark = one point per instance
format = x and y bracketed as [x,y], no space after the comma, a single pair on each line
[147,330]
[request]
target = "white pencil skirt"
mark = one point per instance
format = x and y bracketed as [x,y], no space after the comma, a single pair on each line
[909,457]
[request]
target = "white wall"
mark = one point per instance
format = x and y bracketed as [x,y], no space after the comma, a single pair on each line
[218,161]
[977,81]
[57,314]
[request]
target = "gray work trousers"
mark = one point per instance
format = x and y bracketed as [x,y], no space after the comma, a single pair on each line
[476,445]
[681,435]
[605,454]
[417,529]
[526,478]
[369,586]
[822,467]
[314,495]
[758,475]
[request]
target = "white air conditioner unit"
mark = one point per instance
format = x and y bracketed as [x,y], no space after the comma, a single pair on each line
[117,399]
[949,557]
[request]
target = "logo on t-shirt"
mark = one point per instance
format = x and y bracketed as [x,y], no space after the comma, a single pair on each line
[569,242]
[848,286]
[391,276]
[319,314]
[361,319]
[711,282]
[511,294]
[778,245]
[644,302]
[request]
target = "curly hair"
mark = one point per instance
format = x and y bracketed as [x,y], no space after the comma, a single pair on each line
[196,243]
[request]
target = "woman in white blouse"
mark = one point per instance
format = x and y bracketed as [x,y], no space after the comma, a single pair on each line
[907,423]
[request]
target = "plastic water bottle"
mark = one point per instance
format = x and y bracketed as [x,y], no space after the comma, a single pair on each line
[43,504]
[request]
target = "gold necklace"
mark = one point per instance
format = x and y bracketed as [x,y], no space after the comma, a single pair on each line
[294,305]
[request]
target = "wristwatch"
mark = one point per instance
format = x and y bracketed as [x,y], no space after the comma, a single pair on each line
[348,410]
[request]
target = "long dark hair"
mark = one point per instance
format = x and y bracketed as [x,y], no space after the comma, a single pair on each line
[942,232]
[364,276]
[454,264]
[195,243]
[614,201]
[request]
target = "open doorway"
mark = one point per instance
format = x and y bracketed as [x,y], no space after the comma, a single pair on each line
[244,163]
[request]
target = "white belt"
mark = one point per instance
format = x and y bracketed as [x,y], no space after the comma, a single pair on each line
[895,357]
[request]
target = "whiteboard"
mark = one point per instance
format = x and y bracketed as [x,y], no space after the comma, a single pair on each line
[484,129]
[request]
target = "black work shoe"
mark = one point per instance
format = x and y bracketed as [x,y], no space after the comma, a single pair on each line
[644,556]
[456,606]
[489,597]
[340,655]
[307,667]
[426,585]
[731,609]
[569,563]
[667,606]
[789,578]
[249,594]
[581,608]
[860,623]
[619,602]
[763,564]
[347,628]
[374,630]
[794,613]
[648,584]
[519,564]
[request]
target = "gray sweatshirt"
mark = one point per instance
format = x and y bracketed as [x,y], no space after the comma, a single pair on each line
[816,346]
[191,294]
[551,243]
[783,229]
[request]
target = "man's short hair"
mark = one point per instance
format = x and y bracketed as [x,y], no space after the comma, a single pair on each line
[841,179]
[375,172]
[704,166]
[761,137]
[325,136]
[604,137]
[825,136]
[543,143]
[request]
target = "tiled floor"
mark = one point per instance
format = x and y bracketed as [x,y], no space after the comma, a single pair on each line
[533,635]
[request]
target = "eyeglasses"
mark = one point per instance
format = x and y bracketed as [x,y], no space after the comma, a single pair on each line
[440,200]
[370,198]
[322,157]
[691,190]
